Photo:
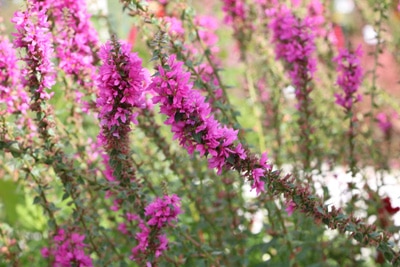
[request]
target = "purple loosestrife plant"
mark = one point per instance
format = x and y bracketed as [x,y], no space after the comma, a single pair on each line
[191,122]
[294,44]
[190,118]
[349,77]
[234,10]
[122,82]
[68,249]
[34,36]
[196,128]
[160,213]
[75,39]
[12,94]
[237,15]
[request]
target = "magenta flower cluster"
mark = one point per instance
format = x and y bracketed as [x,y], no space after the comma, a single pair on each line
[191,119]
[34,36]
[349,77]
[75,39]
[122,83]
[294,43]
[234,9]
[160,214]
[68,250]
[11,91]
[192,123]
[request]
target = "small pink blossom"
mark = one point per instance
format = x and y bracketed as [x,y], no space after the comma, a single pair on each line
[186,109]
[290,207]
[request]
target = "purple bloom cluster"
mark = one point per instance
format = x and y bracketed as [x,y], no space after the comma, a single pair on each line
[11,91]
[190,117]
[68,250]
[294,43]
[160,213]
[34,36]
[234,9]
[75,39]
[163,210]
[315,10]
[122,82]
[349,77]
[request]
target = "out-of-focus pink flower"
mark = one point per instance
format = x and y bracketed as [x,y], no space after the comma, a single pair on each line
[12,93]
[68,250]
[76,40]
[175,26]
[385,121]
[234,9]
[290,207]
[349,77]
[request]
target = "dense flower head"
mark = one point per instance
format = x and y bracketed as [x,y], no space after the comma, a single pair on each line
[11,91]
[349,77]
[122,82]
[163,210]
[206,27]
[190,117]
[68,250]
[34,36]
[294,43]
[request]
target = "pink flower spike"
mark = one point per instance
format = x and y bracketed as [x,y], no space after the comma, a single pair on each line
[349,77]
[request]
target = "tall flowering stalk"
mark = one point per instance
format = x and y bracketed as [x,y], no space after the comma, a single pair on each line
[122,82]
[34,36]
[196,128]
[349,79]
[294,44]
